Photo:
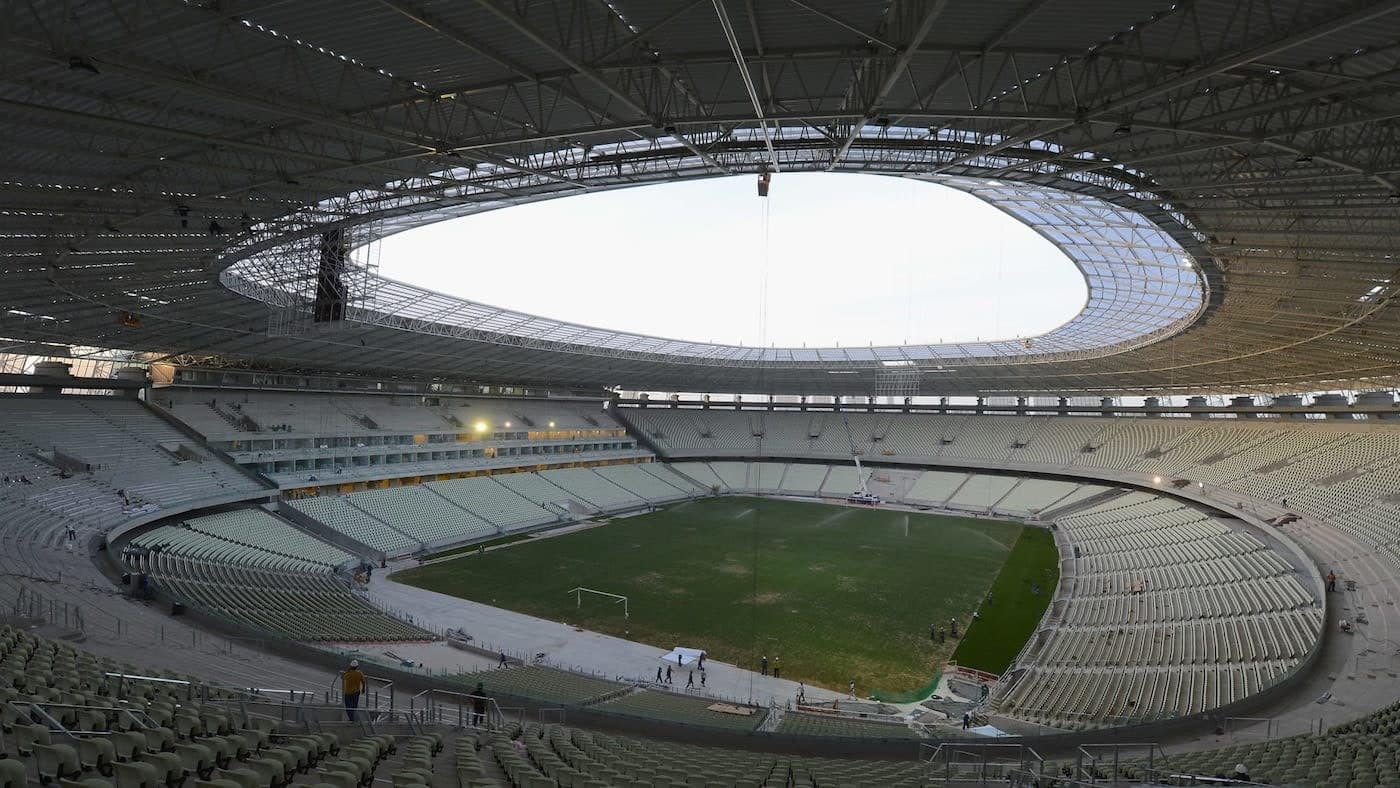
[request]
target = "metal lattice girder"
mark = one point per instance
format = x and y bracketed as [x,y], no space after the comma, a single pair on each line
[152,143]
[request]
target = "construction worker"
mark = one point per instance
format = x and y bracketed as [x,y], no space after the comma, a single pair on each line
[352,683]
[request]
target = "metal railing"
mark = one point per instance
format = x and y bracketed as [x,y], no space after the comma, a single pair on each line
[1095,761]
[40,710]
[979,763]
[459,709]
[377,689]
[59,612]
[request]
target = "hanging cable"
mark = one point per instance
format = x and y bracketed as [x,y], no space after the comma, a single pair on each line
[765,228]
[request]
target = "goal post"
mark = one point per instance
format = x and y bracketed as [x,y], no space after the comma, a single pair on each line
[580,591]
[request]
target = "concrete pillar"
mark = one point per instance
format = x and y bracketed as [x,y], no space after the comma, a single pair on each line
[51,369]
[1332,401]
[132,375]
[1289,401]
[1196,402]
[1378,399]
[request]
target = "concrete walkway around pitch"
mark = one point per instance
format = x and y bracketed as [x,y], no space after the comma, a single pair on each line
[564,646]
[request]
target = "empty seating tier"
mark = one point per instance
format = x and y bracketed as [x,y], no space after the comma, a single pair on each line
[644,485]
[294,605]
[103,460]
[422,515]
[493,502]
[306,439]
[542,684]
[1127,648]
[259,530]
[587,486]
[804,724]
[690,710]
[339,515]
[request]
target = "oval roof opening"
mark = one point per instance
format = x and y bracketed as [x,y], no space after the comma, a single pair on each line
[826,259]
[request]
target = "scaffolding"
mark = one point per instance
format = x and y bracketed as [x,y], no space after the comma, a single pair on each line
[319,281]
[894,385]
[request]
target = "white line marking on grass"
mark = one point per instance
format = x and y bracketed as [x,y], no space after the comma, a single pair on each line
[742,514]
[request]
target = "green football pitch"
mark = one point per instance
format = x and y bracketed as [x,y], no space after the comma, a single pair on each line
[834,593]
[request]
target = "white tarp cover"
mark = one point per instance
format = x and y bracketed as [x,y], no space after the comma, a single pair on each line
[988,730]
[686,656]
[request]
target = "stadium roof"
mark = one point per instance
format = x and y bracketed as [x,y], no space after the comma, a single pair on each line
[1224,173]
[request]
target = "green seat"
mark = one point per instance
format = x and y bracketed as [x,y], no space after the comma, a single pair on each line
[57,761]
[12,774]
[136,775]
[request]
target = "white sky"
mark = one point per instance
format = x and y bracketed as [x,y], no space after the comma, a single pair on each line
[850,259]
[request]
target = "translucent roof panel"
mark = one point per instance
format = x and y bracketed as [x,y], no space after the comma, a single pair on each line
[1142,286]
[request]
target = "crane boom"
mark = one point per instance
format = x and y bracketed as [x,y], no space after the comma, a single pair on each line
[863,495]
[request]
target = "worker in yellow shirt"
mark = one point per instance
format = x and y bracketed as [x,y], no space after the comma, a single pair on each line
[352,683]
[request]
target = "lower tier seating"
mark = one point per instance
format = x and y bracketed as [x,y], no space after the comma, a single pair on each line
[295,605]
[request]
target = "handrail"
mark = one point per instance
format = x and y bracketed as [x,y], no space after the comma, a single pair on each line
[334,692]
[432,711]
[292,694]
[157,679]
[138,716]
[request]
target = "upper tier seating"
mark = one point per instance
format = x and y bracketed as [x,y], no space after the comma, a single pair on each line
[301,439]
[209,411]
[134,460]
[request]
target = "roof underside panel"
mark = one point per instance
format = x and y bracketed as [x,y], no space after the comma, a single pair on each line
[149,145]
